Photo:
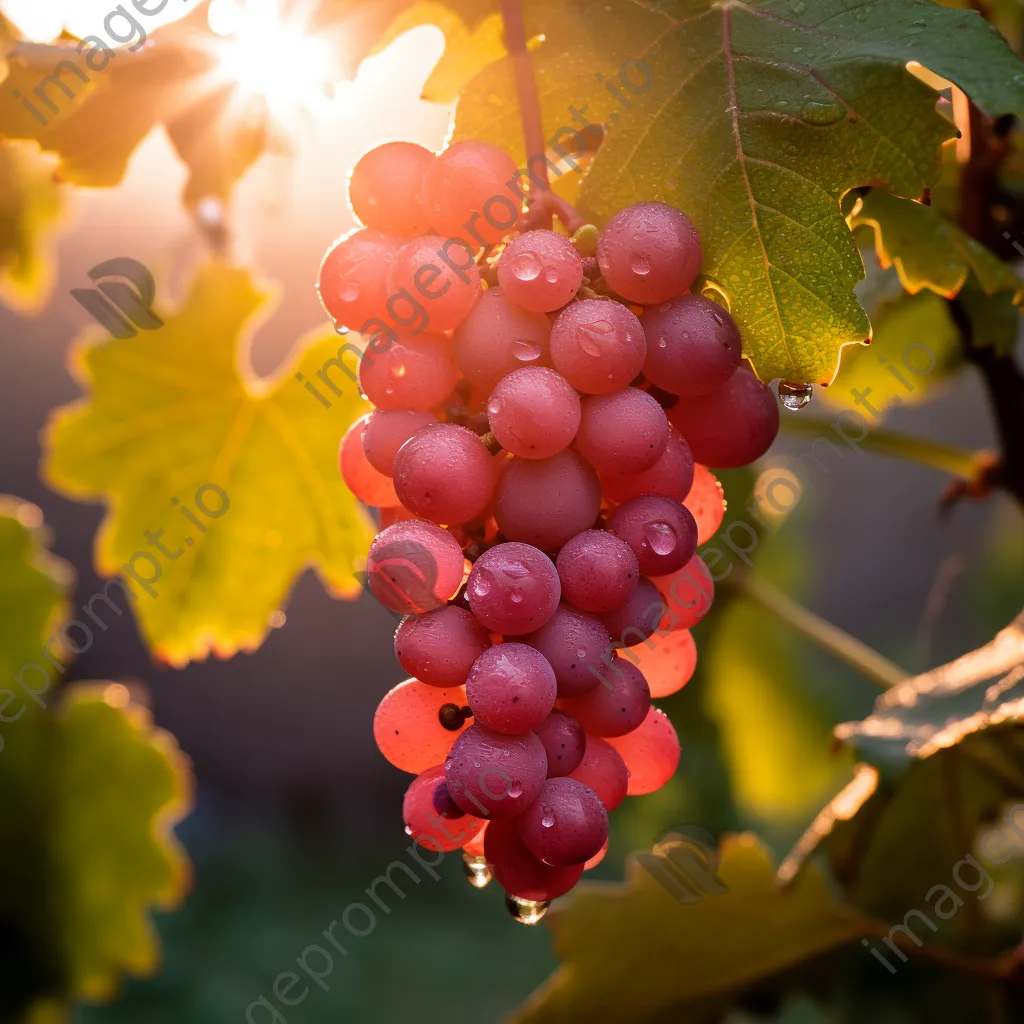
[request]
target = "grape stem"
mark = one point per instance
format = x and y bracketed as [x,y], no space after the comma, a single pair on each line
[526,86]
[828,637]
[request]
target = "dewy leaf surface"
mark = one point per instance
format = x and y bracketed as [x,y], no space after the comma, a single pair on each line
[171,411]
[756,120]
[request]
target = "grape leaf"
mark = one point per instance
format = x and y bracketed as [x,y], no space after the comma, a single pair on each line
[941,755]
[90,791]
[756,120]
[169,412]
[31,202]
[634,952]
[929,251]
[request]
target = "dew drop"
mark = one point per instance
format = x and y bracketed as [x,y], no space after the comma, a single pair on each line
[526,911]
[493,408]
[580,653]
[525,351]
[548,818]
[526,266]
[661,537]
[795,396]
[516,597]
[551,275]
[592,335]
[477,873]
[516,789]
[821,114]
[482,584]
[641,266]
[349,291]
[408,830]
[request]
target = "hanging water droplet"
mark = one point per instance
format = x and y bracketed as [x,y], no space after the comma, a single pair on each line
[526,351]
[477,873]
[493,407]
[408,830]
[661,538]
[641,265]
[526,266]
[340,329]
[526,911]
[795,396]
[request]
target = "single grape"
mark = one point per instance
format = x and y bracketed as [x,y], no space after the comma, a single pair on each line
[353,279]
[603,771]
[706,502]
[598,571]
[694,345]
[635,620]
[615,706]
[540,271]
[519,872]
[432,818]
[369,485]
[493,775]
[731,426]
[672,475]
[513,589]
[650,753]
[407,725]
[497,338]
[386,188]
[534,413]
[511,688]
[566,825]
[576,646]
[420,275]
[445,474]
[439,648]
[546,502]
[564,742]
[667,661]
[408,372]
[622,432]
[597,345]
[660,530]
[387,430]
[468,193]
[688,595]
[413,567]
[649,252]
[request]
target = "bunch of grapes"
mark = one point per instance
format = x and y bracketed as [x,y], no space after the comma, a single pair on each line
[539,405]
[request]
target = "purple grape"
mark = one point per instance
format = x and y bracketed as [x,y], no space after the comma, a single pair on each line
[511,688]
[624,432]
[567,824]
[564,741]
[598,571]
[534,413]
[440,647]
[661,531]
[414,567]
[637,619]
[576,645]
[617,705]
[597,345]
[513,589]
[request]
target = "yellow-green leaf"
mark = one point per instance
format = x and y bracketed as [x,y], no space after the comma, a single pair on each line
[635,953]
[171,416]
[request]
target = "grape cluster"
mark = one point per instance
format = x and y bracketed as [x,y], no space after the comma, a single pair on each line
[542,421]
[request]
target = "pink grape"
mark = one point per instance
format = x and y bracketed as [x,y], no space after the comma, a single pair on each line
[706,502]
[534,413]
[387,430]
[409,372]
[441,830]
[353,279]
[622,432]
[688,594]
[369,485]
[546,502]
[439,647]
[631,623]
[493,775]
[731,426]
[413,567]
[386,188]
[660,530]
[597,345]
[445,474]
[604,771]
[564,742]
[566,825]
[650,753]
[597,858]
[518,871]
[407,726]
[420,274]
[497,338]
[667,661]
[598,571]
[672,475]
[540,271]
[513,589]
[468,194]
[649,252]
[511,688]
[693,346]
[617,705]
[573,643]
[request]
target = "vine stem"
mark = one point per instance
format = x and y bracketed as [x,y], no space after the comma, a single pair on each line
[526,87]
[828,637]
[960,462]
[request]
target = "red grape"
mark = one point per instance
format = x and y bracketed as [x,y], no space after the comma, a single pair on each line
[540,271]
[566,825]
[660,530]
[672,475]
[353,279]
[518,872]
[617,705]
[650,752]
[408,372]
[420,274]
[688,594]
[440,646]
[387,430]
[493,775]
[407,726]
[513,589]
[598,571]
[576,646]
[622,432]
[706,502]
[534,413]
[511,688]
[564,742]
[369,485]
[603,770]
[386,188]
[414,566]
[635,620]
[432,818]
[597,345]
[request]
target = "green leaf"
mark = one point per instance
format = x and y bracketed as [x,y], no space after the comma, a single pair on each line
[757,120]
[929,251]
[634,952]
[994,319]
[171,412]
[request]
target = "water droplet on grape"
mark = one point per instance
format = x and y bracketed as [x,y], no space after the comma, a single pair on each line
[389,390]
[525,351]
[581,653]
[349,291]
[493,407]
[399,370]
[641,265]
[516,789]
[795,396]
[481,583]
[661,537]
[548,819]
[591,336]
[517,597]
[551,275]
[408,830]
[526,266]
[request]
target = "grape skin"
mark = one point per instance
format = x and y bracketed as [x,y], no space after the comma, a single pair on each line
[368,484]
[672,475]
[407,371]
[511,688]
[436,831]
[598,571]
[407,729]
[353,280]
[534,413]
[387,430]
[604,771]
[540,271]
[564,742]
[439,647]
[650,753]
[597,345]
[386,188]
[617,705]
[566,825]
[513,589]
[576,645]
[660,530]
[622,432]
[518,871]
